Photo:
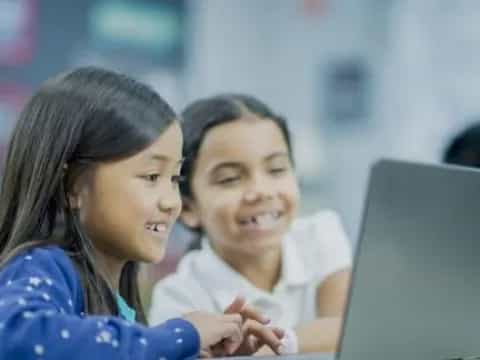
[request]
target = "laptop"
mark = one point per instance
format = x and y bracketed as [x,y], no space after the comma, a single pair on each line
[415,291]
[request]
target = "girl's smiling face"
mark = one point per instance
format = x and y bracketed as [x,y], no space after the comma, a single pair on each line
[245,193]
[128,206]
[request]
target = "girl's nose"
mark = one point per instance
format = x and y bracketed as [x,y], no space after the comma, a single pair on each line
[169,201]
[260,189]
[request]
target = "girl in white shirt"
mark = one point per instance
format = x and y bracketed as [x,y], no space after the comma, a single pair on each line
[240,194]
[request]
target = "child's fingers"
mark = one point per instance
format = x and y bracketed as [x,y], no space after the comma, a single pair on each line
[239,305]
[264,334]
[233,318]
[258,345]
[252,344]
[205,354]
[250,313]
[232,331]
[231,346]
[264,350]
[218,350]
[224,348]
[279,332]
[236,306]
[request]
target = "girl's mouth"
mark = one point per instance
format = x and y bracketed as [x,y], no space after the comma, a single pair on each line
[157,229]
[262,221]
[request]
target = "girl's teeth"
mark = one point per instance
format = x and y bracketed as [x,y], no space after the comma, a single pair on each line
[157,227]
[263,221]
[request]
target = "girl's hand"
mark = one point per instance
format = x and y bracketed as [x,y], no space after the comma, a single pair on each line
[255,331]
[265,351]
[220,335]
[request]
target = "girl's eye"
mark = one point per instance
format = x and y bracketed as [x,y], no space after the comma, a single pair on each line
[151,177]
[278,170]
[229,180]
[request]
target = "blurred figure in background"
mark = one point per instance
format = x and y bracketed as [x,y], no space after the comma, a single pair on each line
[464,148]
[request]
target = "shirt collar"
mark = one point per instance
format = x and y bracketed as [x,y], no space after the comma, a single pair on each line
[224,283]
[294,272]
[125,311]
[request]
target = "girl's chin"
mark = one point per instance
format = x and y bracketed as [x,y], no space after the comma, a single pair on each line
[156,260]
[256,246]
[154,256]
[268,239]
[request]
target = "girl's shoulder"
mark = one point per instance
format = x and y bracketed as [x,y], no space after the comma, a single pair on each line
[321,243]
[43,264]
[182,291]
[186,279]
[324,224]
[50,256]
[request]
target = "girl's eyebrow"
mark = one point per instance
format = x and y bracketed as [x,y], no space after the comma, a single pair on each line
[276,154]
[163,158]
[238,165]
[222,165]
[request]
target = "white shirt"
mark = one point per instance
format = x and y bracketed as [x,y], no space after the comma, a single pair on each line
[314,248]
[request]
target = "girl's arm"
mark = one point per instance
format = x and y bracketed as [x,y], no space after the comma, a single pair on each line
[323,334]
[332,294]
[40,318]
[326,240]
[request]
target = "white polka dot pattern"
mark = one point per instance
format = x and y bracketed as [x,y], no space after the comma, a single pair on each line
[39,349]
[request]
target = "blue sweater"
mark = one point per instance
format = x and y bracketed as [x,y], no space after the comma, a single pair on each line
[41,318]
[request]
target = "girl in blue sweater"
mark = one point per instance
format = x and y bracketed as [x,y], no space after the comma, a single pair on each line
[89,190]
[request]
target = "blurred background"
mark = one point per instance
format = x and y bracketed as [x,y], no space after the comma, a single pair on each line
[357,79]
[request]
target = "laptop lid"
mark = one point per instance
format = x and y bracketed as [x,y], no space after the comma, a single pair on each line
[415,290]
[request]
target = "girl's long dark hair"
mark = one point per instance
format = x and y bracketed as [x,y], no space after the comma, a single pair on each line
[74,121]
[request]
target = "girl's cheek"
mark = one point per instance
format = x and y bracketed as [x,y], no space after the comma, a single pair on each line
[147,204]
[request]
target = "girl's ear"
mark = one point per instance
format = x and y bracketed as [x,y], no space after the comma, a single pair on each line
[75,197]
[74,201]
[77,192]
[190,214]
